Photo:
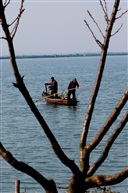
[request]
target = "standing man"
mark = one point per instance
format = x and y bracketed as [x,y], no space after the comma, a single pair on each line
[72,88]
[53,86]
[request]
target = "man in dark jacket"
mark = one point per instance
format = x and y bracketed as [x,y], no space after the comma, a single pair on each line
[72,88]
[53,86]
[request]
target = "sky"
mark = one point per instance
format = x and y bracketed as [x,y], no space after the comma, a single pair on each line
[58,27]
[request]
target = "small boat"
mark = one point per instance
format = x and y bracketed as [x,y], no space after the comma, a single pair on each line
[59,99]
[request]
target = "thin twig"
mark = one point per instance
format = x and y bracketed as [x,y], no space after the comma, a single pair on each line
[121,15]
[104,8]
[97,41]
[6,3]
[3,38]
[13,22]
[118,30]
[17,20]
[96,24]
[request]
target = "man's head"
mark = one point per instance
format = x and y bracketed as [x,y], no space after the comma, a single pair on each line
[52,78]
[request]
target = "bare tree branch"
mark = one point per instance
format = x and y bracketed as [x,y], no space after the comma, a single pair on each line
[22,88]
[86,150]
[96,24]
[13,22]
[108,145]
[6,3]
[21,166]
[104,8]
[85,153]
[97,41]
[98,78]
[17,20]
[107,180]
[3,38]
[121,15]
[117,30]
[109,121]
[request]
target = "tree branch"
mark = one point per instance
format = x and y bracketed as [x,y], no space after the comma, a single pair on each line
[6,3]
[48,185]
[96,24]
[108,145]
[86,150]
[3,38]
[98,78]
[121,15]
[97,41]
[117,30]
[107,180]
[109,121]
[17,20]
[104,8]
[22,88]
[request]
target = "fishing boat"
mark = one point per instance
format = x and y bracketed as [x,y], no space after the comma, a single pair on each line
[58,98]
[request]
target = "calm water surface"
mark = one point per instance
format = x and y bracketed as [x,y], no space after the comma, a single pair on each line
[23,137]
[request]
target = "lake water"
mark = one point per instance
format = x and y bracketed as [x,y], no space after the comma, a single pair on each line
[21,134]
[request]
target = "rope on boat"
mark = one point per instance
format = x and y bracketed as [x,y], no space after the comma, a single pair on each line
[63,91]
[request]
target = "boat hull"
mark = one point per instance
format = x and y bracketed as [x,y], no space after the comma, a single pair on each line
[59,100]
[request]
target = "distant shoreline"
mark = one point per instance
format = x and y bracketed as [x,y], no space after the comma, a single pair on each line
[64,55]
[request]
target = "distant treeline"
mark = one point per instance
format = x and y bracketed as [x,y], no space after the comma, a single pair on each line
[64,55]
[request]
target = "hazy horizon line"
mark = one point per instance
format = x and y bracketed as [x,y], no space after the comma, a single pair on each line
[62,55]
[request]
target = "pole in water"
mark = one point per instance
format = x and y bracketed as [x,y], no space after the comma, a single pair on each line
[17,186]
